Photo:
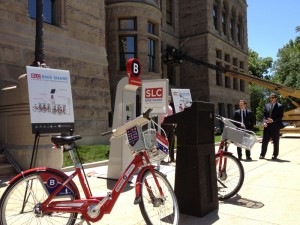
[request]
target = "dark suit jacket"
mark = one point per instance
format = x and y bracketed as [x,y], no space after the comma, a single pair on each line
[277,114]
[248,121]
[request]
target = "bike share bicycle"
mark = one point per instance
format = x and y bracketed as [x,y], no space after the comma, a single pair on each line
[230,171]
[48,196]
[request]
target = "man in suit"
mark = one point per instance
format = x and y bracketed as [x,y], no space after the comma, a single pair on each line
[273,113]
[244,116]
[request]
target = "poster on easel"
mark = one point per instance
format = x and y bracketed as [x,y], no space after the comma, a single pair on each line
[182,99]
[50,100]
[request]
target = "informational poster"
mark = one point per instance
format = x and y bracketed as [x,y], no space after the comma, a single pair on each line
[155,96]
[182,99]
[50,100]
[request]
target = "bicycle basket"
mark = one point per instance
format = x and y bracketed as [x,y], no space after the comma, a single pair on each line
[160,150]
[149,137]
[239,137]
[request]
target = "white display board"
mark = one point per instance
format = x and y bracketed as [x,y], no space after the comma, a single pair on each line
[182,99]
[50,100]
[155,95]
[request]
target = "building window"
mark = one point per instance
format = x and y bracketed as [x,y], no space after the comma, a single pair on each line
[127,49]
[224,23]
[229,111]
[235,61]
[240,32]
[235,84]
[219,54]
[227,58]
[171,74]
[219,75]
[151,55]
[227,79]
[151,28]
[48,10]
[242,85]
[169,12]
[215,16]
[221,109]
[232,24]
[127,24]
[242,65]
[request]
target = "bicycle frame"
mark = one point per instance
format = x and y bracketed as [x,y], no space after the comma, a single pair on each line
[87,205]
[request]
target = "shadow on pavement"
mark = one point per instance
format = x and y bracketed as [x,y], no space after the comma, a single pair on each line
[244,202]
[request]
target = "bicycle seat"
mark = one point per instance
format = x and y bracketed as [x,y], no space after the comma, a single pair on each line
[62,140]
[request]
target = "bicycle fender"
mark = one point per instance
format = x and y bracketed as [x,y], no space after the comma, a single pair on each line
[26,172]
[51,182]
[224,153]
[138,185]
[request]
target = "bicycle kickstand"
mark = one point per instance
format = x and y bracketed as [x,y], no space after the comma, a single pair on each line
[82,221]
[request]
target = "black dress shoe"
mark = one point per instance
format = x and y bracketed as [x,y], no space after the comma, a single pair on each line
[261,157]
[274,157]
[249,158]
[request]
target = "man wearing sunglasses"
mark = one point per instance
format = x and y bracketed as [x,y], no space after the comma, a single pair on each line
[273,113]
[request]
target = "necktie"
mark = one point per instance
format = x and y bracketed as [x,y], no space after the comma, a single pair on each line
[242,116]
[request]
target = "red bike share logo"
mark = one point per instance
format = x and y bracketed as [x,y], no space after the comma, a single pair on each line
[36,76]
[154,92]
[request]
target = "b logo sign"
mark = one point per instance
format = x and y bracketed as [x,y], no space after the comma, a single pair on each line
[133,68]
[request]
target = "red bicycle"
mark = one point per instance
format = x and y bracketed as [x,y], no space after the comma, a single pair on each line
[230,171]
[49,196]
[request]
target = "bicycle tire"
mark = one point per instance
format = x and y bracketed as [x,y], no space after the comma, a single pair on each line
[15,210]
[155,209]
[229,182]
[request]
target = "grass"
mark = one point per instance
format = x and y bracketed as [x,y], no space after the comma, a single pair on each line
[88,154]
[95,153]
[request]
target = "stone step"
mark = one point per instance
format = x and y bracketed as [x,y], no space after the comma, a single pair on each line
[2,158]
[6,169]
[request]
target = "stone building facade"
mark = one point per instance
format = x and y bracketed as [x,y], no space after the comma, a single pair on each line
[93,40]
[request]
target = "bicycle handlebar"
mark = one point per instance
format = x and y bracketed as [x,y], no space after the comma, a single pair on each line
[229,122]
[142,119]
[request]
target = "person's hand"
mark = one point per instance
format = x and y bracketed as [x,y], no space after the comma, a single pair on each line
[269,120]
[265,124]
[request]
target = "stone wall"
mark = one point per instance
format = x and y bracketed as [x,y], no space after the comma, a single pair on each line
[75,43]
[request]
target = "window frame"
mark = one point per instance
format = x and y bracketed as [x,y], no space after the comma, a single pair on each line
[151,55]
[122,67]
[52,12]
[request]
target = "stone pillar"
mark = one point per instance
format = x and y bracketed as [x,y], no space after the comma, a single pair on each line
[16,133]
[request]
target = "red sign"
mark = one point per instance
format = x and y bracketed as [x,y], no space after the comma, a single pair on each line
[153,92]
[133,68]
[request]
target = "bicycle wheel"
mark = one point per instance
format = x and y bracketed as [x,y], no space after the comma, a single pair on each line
[20,202]
[157,209]
[230,176]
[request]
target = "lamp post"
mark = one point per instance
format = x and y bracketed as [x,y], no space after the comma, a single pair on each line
[39,36]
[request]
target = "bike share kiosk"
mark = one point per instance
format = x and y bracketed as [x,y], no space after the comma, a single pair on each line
[195,175]
[153,94]
[125,109]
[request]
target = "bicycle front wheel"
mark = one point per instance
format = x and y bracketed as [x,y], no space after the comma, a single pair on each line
[20,203]
[230,176]
[158,206]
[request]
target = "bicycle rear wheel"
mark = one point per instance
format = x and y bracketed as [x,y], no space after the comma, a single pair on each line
[155,208]
[230,176]
[20,202]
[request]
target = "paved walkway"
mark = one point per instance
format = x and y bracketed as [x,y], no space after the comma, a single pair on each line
[270,194]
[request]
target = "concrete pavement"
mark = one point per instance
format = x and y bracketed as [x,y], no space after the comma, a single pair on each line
[270,194]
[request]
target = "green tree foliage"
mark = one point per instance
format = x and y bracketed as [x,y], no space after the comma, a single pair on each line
[287,66]
[287,69]
[258,67]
